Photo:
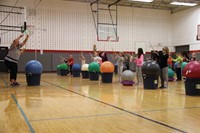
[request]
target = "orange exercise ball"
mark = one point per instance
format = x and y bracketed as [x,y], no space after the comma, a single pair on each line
[107,67]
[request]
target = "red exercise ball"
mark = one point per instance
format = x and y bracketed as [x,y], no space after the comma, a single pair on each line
[192,70]
[107,67]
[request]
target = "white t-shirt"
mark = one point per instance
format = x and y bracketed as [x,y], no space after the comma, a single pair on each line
[98,59]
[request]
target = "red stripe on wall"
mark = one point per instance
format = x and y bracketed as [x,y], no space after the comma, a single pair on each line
[195,51]
[69,51]
[85,51]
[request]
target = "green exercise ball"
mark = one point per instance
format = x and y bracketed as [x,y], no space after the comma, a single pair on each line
[94,67]
[63,66]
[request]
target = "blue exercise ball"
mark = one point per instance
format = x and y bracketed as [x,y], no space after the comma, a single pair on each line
[76,67]
[33,66]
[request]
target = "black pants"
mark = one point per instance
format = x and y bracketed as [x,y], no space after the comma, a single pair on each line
[70,69]
[178,74]
[13,69]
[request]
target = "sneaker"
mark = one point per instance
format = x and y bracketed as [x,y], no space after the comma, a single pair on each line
[13,85]
[161,87]
[16,83]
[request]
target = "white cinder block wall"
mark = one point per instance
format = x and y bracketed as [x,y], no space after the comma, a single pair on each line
[184,28]
[64,25]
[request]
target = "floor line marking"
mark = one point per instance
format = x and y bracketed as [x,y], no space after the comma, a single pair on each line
[24,115]
[146,118]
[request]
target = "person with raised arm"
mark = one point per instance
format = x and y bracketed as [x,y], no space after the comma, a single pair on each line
[11,60]
[120,63]
[82,59]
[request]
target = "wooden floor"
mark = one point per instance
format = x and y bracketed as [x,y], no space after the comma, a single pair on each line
[74,105]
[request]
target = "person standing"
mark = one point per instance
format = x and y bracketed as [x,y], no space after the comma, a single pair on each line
[70,64]
[163,63]
[179,60]
[139,62]
[11,60]
[193,57]
[120,64]
[96,58]
[103,56]
[82,59]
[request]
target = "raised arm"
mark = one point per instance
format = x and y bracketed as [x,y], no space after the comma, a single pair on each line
[114,52]
[81,57]
[129,55]
[25,40]
[22,50]
[63,59]
[92,58]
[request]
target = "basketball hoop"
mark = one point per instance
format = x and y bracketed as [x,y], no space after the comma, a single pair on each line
[198,32]
[107,33]
[198,37]
[29,30]
[113,38]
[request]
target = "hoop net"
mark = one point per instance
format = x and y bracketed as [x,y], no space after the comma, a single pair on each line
[113,38]
[29,30]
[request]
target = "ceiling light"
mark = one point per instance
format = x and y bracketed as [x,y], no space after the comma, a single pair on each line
[141,0]
[183,3]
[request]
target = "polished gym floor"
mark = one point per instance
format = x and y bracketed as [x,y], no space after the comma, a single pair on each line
[64,104]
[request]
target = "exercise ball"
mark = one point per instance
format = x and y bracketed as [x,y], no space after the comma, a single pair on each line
[94,67]
[63,66]
[76,67]
[58,69]
[58,66]
[33,70]
[150,68]
[183,65]
[33,66]
[170,73]
[84,67]
[107,67]
[192,70]
[127,75]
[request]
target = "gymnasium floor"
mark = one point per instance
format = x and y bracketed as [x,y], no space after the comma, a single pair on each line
[74,105]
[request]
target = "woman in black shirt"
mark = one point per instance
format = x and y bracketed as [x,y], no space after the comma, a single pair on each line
[163,57]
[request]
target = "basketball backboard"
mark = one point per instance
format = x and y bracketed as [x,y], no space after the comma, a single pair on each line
[198,32]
